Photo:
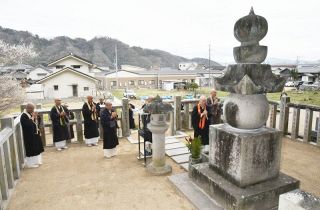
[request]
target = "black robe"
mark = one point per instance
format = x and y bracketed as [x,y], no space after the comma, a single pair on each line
[31,136]
[195,119]
[131,118]
[110,138]
[215,111]
[90,125]
[60,131]
[99,108]
[71,117]
[145,119]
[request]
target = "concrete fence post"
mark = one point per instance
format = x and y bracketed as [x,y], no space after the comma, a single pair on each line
[125,126]
[186,116]
[307,125]
[295,123]
[177,112]
[12,149]
[79,126]
[284,115]
[273,116]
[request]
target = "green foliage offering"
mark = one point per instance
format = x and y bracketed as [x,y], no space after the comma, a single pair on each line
[194,146]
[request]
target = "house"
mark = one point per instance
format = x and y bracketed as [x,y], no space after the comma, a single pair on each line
[75,62]
[185,66]
[163,78]
[68,82]
[37,73]
[309,72]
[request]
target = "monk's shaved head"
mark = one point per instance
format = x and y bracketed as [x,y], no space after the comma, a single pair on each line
[57,101]
[30,107]
[203,100]
[90,99]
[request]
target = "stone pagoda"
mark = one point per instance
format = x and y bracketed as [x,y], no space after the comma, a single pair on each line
[244,156]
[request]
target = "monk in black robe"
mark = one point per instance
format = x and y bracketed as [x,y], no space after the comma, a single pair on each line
[214,103]
[70,116]
[131,118]
[109,123]
[99,105]
[30,122]
[60,125]
[200,120]
[91,132]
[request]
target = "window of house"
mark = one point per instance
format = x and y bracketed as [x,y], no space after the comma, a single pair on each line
[59,66]
[141,82]
[42,74]
[76,66]
[192,80]
[131,82]
[151,82]
[55,87]
[113,83]
[85,88]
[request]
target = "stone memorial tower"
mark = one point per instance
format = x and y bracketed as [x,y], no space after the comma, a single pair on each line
[244,157]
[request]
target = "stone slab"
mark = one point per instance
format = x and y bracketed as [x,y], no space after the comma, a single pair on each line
[171,141]
[298,200]
[133,140]
[245,157]
[174,145]
[178,151]
[181,158]
[185,166]
[194,194]
[262,196]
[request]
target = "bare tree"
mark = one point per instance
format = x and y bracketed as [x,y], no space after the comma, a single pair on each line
[11,93]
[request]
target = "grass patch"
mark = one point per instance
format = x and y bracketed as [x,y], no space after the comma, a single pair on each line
[306,97]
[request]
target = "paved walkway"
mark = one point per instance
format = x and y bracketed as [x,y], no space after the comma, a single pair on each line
[80,178]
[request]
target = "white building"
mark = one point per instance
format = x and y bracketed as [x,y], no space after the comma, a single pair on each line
[38,73]
[185,66]
[75,62]
[68,82]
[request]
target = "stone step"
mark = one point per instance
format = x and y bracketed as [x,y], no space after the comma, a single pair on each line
[185,166]
[181,158]
[174,145]
[194,194]
[178,151]
[171,141]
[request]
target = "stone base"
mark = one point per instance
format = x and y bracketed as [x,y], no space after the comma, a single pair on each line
[155,170]
[261,196]
[245,157]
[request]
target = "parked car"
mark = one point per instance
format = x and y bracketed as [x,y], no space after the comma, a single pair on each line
[289,84]
[129,94]
[298,83]
[310,86]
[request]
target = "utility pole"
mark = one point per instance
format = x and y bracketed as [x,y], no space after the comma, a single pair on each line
[209,65]
[116,63]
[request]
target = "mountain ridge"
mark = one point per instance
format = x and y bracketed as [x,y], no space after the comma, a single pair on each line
[99,50]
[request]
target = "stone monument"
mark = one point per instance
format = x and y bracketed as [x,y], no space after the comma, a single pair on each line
[158,127]
[244,156]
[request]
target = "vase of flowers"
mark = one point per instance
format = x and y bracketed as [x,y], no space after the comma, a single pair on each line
[194,147]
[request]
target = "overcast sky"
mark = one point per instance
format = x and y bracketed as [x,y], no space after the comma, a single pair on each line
[181,27]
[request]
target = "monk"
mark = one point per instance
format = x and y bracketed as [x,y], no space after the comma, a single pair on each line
[90,115]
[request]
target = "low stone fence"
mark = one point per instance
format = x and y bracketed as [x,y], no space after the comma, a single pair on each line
[311,130]
[12,157]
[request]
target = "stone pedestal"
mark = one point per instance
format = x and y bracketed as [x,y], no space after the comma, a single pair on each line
[262,196]
[245,157]
[243,168]
[158,127]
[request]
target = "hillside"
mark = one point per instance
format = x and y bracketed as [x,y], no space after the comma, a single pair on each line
[100,50]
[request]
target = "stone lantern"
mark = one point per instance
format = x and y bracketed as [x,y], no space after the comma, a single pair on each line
[158,127]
